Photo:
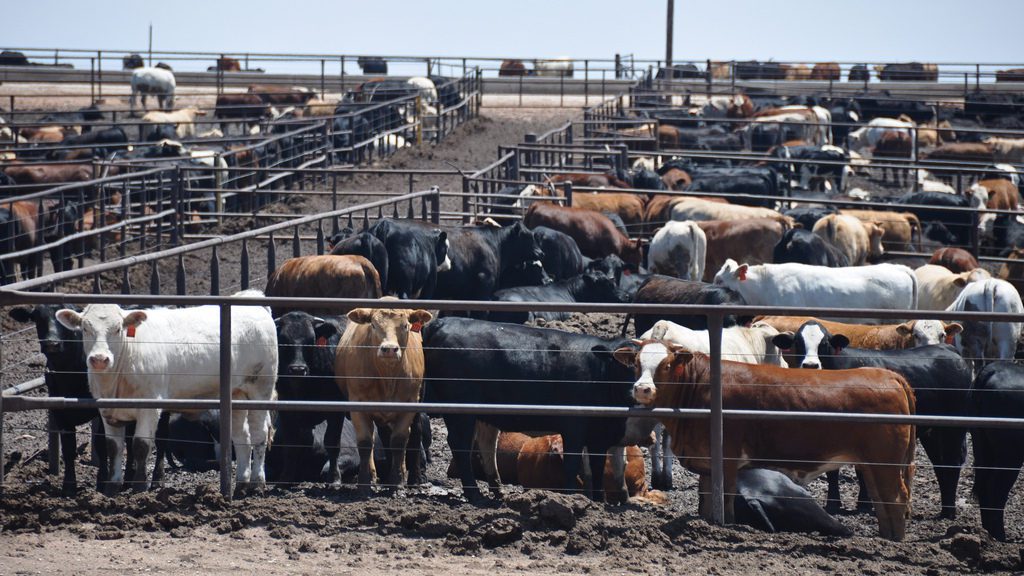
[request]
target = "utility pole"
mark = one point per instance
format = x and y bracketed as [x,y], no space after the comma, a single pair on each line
[668,35]
[151,43]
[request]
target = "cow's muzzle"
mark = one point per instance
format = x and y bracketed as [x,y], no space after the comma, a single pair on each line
[297,370]
[99,361]
[389,350]
[645,393]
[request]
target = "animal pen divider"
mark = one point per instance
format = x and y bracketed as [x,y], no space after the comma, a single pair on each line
[715,412]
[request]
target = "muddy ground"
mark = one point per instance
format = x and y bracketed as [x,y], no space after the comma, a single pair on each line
[187,527]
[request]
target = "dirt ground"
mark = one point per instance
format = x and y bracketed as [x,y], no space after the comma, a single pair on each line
[186,527]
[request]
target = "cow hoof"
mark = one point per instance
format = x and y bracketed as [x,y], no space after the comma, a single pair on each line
[365,491]
[69,489]
[948,514]
[864,508]
[112,489]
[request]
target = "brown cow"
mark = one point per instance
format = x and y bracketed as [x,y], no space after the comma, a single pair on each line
[247,108]
[50,134]
[1010,75]
[676,179]
[225,64]
[955,259]
[512,68]
[282,95]
[592,180]
[797,71]
[896,146]
[324,276]
[996,194]
[860,241]
[751,241]
[898,227]
[595,234]
[46,175]
[957,152]
[883,453]
[825,71]
[380,359]
[629,207]
[874,337]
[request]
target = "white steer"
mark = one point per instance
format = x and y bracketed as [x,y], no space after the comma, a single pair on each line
[170,354]
[156,81]
[980,341]
[678,249]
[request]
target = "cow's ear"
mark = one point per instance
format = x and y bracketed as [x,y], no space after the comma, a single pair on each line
[953,328]
[361,315]
[961,279]
[625,355]
[69,318]
[134,318]
[741,272]
[324,329]
[838,341]
[23,315]
[784,340]
[420,316]
[905,329]
[680,355]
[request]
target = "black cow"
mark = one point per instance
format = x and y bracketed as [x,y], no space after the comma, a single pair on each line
[760,180]
[372,65]
[957,222]
[660,289]
[611,266]
[536,366]
[754,70]
[998,392]
[481,255]
[158,132]
[817,165]
[416,252]
[562,257]
[352,130]
[858,73]
[590,287]
[680,71]
[193,441]
[722,142]
[770,501]
[907,72]
[366,245]
[306,347]
[939,376]
[889,106]
[1008,233]
[806,247]
[103,141]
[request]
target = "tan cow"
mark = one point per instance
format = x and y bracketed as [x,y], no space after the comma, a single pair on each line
[629,207]
[326,276]
[937,287]
[380,359]
[183,120]
[875,337]
[898,227]
[698,209]
[1009,150]
[860,241]
[825,71]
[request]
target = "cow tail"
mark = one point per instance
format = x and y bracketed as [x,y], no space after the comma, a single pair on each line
[913,283]
[915,223]
[625,325]
[909,467]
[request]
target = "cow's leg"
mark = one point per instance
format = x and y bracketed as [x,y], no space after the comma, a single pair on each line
[729,474]
[620,491]
[332,443]
[704,496]
[460,439]
[863,499]
[400,430]
[890,498]
[99,442]
[947,451]
[487,443]
[259,429]
[597,460]
[145,432]
[364,442]
[242,442]
[414,451]
[115,450]
[572,461]
[833,501]
[161,440]
[996,467]
[68,453]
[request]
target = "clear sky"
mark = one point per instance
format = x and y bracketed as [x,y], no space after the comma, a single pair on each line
[801,30]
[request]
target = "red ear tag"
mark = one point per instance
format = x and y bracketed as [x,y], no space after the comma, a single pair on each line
[131,331]
[416,326]
[951,339]
[321,341]
[627,272]
[742,275]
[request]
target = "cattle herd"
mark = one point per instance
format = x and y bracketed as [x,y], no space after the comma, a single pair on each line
[678,226]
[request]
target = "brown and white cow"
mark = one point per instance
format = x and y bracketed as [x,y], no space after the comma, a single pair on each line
[875,337]
[883,453]
[594,233]
[898,227]
[752,241]
[860,241]
[380,359]
[326,276]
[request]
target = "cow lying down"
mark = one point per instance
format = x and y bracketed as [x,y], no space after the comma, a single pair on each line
[770,501]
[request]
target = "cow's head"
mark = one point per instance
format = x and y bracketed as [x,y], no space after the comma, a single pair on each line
[929,332]
[298,336]
[653,363]
[390,327]
[523,245]
[598,287]
[105,329]
[440,240]
[811,345]
[54,337]
[731,275]
[875,233]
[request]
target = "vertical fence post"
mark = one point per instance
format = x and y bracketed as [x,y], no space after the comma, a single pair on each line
[341,65]
[717,460]
[2,455]
[435,204]
[323,79]
[99,72]
[586,82]
[567,192]
[225,401]
[92,80]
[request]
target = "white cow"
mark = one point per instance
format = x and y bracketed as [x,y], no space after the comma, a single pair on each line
[751,345]
[882,286]
[865,138]
[818,120]
[156,81]
[183,120]
[678,249]
[984,340]
[938,287]
[175,353]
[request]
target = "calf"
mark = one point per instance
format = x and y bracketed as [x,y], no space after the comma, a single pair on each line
[325,276]
[770,501]
[998,392]
[678,249]
[981,341]
[955,259]
[480,256]
[594,233]
[137,354]
[937,287]
[380,359]
[537,367]
[806,247]
[859,241]
[801,449]
[589,287]
[940,379]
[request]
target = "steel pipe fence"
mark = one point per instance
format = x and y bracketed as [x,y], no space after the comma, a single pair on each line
[715,412]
